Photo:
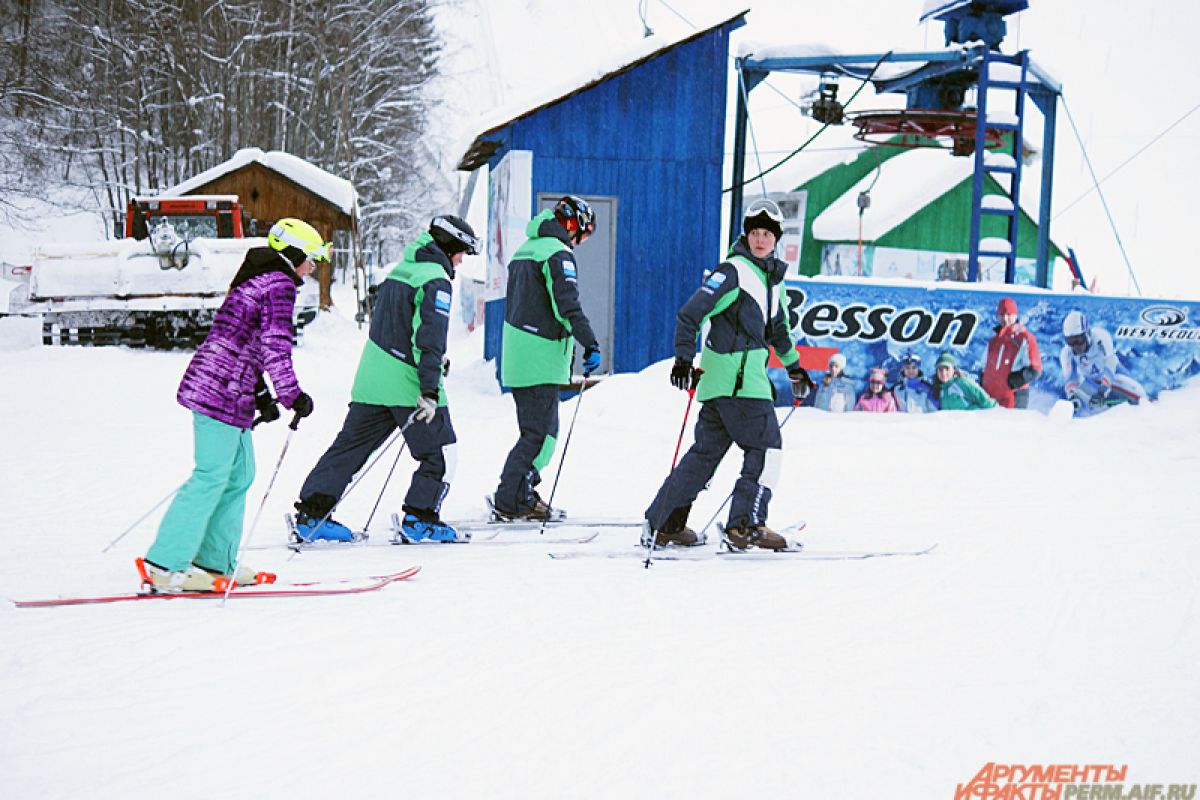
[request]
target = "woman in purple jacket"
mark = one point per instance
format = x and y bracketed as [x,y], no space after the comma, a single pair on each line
[198,539]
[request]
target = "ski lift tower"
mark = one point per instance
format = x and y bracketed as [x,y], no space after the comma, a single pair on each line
[948,93]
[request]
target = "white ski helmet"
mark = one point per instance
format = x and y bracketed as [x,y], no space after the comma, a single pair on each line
[1076,331]
[1075,324]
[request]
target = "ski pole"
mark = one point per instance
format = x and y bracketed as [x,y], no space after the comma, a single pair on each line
[675,459]
[728,497]
[125,533]
[386,481]
[563,457]
[295,423]
[329,514]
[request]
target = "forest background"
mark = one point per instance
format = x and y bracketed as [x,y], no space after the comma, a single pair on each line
[101,100]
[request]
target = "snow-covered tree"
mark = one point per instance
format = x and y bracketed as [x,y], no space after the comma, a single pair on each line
[126,97]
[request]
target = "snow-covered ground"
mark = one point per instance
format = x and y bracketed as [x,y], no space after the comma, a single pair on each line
[1056,622]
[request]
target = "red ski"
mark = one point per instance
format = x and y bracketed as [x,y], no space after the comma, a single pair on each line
[310,589]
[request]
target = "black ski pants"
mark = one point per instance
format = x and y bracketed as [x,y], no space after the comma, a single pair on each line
[724,421]
[537,422]
[365,429]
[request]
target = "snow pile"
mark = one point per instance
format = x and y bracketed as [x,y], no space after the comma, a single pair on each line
[1056,621]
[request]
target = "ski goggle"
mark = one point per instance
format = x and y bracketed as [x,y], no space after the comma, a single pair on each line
[764,206]
[317,251]
[468,241]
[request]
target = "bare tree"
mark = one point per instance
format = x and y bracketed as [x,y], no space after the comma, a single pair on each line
[135,96]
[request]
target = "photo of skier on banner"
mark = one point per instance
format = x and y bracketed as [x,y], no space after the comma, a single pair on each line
[955,390]
[1090,367]
[914,394]
[835,392]
[1012,361]
[876,399]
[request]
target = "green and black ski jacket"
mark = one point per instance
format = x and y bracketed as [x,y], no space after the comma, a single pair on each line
[542,311]
[402,358]
[740,312]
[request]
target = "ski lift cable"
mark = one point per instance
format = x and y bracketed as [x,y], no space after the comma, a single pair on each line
[1122,165]
[763,173]
[812,138]
[878,169]
[667,5]
[1103,201]
[692,25]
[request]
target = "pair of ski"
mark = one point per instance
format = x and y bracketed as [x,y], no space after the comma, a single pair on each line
[496,530]
[501,532]
[304,589]
[704,554]
[726,549]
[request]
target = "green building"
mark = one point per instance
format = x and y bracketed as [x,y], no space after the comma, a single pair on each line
[916,224]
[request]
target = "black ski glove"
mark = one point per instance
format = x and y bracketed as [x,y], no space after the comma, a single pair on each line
[1020,377]
[302,405]
[801,383]
[682,375]
[267,406]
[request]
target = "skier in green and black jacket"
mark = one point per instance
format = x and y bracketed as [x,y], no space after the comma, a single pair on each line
[399,384]
[742,307]
[542,316]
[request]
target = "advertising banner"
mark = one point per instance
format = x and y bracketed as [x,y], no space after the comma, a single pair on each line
[510,205]
[1093,350]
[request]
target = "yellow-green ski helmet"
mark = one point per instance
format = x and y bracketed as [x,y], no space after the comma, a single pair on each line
[289,232]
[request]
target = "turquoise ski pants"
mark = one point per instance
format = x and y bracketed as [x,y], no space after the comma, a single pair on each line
[203,525]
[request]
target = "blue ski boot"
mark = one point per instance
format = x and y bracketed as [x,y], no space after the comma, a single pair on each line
[310,529]
[413,530]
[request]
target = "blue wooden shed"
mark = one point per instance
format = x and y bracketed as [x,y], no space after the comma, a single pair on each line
[644,143]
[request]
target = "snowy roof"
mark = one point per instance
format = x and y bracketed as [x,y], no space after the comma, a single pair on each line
[338,191]
[479,151]
[808,164]
[906,184]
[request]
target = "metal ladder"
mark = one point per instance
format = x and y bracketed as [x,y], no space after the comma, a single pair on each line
[1004,161]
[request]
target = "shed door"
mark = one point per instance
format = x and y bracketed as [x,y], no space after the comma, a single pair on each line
[596,261]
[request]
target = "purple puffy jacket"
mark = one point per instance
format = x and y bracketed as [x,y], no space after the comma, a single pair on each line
[252,332]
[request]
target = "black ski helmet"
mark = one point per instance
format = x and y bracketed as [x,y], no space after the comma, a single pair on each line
[453,235]
[576,208]
[763,213]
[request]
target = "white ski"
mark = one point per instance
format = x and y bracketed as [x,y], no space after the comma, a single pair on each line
[707,554]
